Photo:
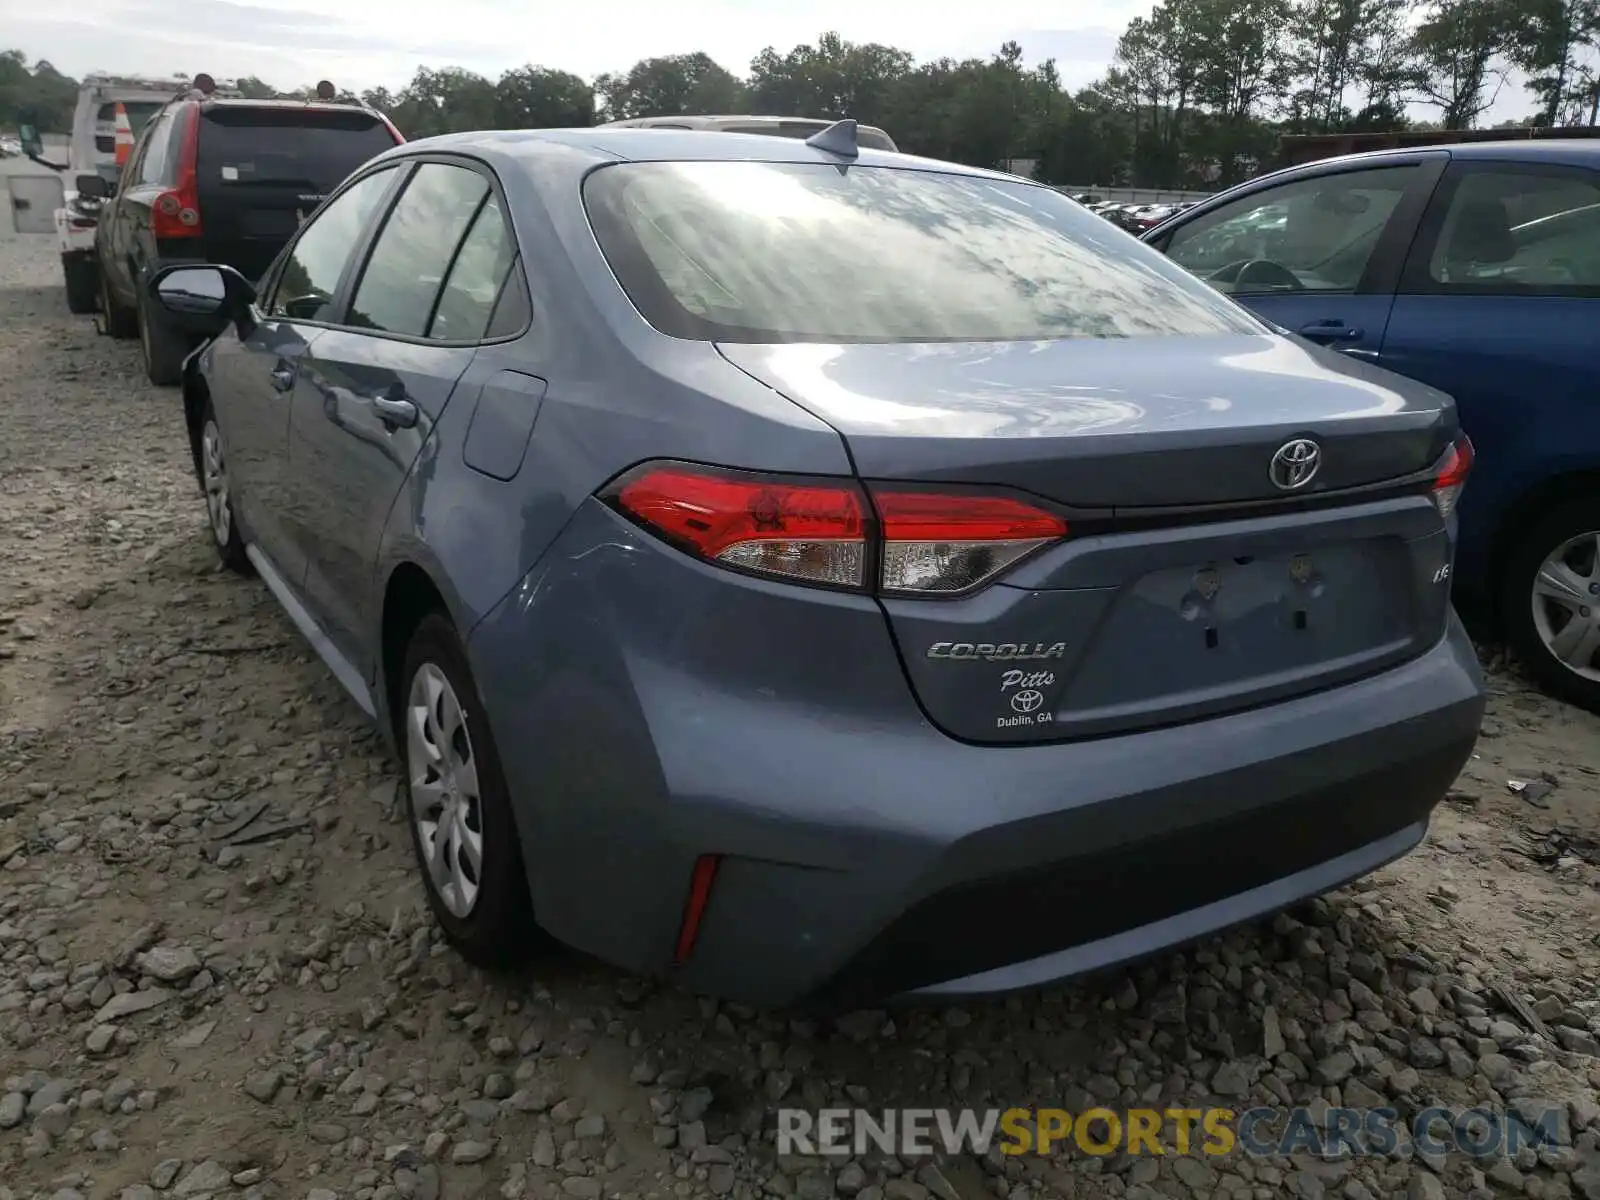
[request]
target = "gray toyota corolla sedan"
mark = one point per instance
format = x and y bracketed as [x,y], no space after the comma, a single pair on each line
[816,573]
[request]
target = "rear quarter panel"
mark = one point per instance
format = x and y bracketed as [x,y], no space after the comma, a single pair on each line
[616,394]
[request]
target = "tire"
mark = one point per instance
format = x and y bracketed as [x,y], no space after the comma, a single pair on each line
[160,347]
[115,320]
[493,928]
[217,488]
[1565,538]
[83,283]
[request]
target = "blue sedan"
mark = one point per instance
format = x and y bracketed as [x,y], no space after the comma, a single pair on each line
[808,571]
[1474,268]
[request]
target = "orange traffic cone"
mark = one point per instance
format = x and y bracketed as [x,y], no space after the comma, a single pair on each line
[124,132]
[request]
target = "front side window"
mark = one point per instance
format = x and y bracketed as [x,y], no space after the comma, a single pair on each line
[803,252]
[315,263]
[1513,231]
[410,257]
[1314,234]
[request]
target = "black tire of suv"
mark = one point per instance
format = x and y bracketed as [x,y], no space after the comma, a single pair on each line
[83,283]
[115,320]
[162,348]
[1534,544]
[500,931]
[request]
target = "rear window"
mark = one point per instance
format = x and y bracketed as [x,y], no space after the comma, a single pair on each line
[311,149]
[139,114]
[801,252]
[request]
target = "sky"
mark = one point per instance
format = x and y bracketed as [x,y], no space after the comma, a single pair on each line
[360,44]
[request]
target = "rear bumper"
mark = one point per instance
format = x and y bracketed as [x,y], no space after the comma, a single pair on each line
[866,854]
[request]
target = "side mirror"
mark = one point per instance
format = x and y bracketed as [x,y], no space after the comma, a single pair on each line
[93,187]
[198,295]
[32,143]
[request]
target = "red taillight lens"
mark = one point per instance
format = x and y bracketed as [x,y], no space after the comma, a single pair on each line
[927,543]
[941,543]
[1452,474]
[807,531]
[176,214]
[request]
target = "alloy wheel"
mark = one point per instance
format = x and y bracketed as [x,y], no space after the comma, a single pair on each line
[446,805]
[1566,604]
[214,476]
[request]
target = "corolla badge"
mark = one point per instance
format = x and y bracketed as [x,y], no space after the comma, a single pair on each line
[997,651]
[1295,464]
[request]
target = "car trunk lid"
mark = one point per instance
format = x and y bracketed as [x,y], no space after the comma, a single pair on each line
[1103,423]
[1191,582]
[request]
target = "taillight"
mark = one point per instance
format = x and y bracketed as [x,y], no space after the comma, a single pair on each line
[1451,475]
[810,531]
[176,212]
[940,543]
[901,541]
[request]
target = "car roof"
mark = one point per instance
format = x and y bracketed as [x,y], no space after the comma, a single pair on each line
[1551,150]
[642,144]
[296,105]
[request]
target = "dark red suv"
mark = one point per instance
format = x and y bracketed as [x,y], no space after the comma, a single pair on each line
[220,179]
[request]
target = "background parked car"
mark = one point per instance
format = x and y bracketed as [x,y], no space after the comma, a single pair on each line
[790,127]
[70,211]
[225,180]
[1475,268]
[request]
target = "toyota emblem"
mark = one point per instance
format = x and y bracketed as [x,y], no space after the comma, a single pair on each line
[1295,464]
[1027,701]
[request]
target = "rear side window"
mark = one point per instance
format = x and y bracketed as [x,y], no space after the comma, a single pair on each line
[309,149]
[412,254]
[153,166]
[791,252]
[1514,231]
[476,277]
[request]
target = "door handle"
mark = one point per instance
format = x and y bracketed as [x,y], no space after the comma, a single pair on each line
[395,413]
[1330,331]
[283,378]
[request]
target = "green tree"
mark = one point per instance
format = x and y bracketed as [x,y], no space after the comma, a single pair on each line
[1555,42]
[671,85]
[41,90]
[834,78]
[539,98]
[447,100]
[1459,52]
[255,88]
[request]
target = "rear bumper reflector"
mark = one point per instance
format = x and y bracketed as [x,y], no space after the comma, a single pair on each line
[694,908]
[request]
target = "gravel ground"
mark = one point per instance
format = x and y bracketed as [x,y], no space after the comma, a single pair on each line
[194,1006]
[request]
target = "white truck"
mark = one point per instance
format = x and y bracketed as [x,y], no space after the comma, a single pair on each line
[46,204]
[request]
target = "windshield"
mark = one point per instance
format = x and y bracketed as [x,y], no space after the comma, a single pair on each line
[311,149]
[802,252]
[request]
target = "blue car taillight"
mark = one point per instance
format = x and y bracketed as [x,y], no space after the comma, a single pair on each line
[893,539]
[1452,474]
